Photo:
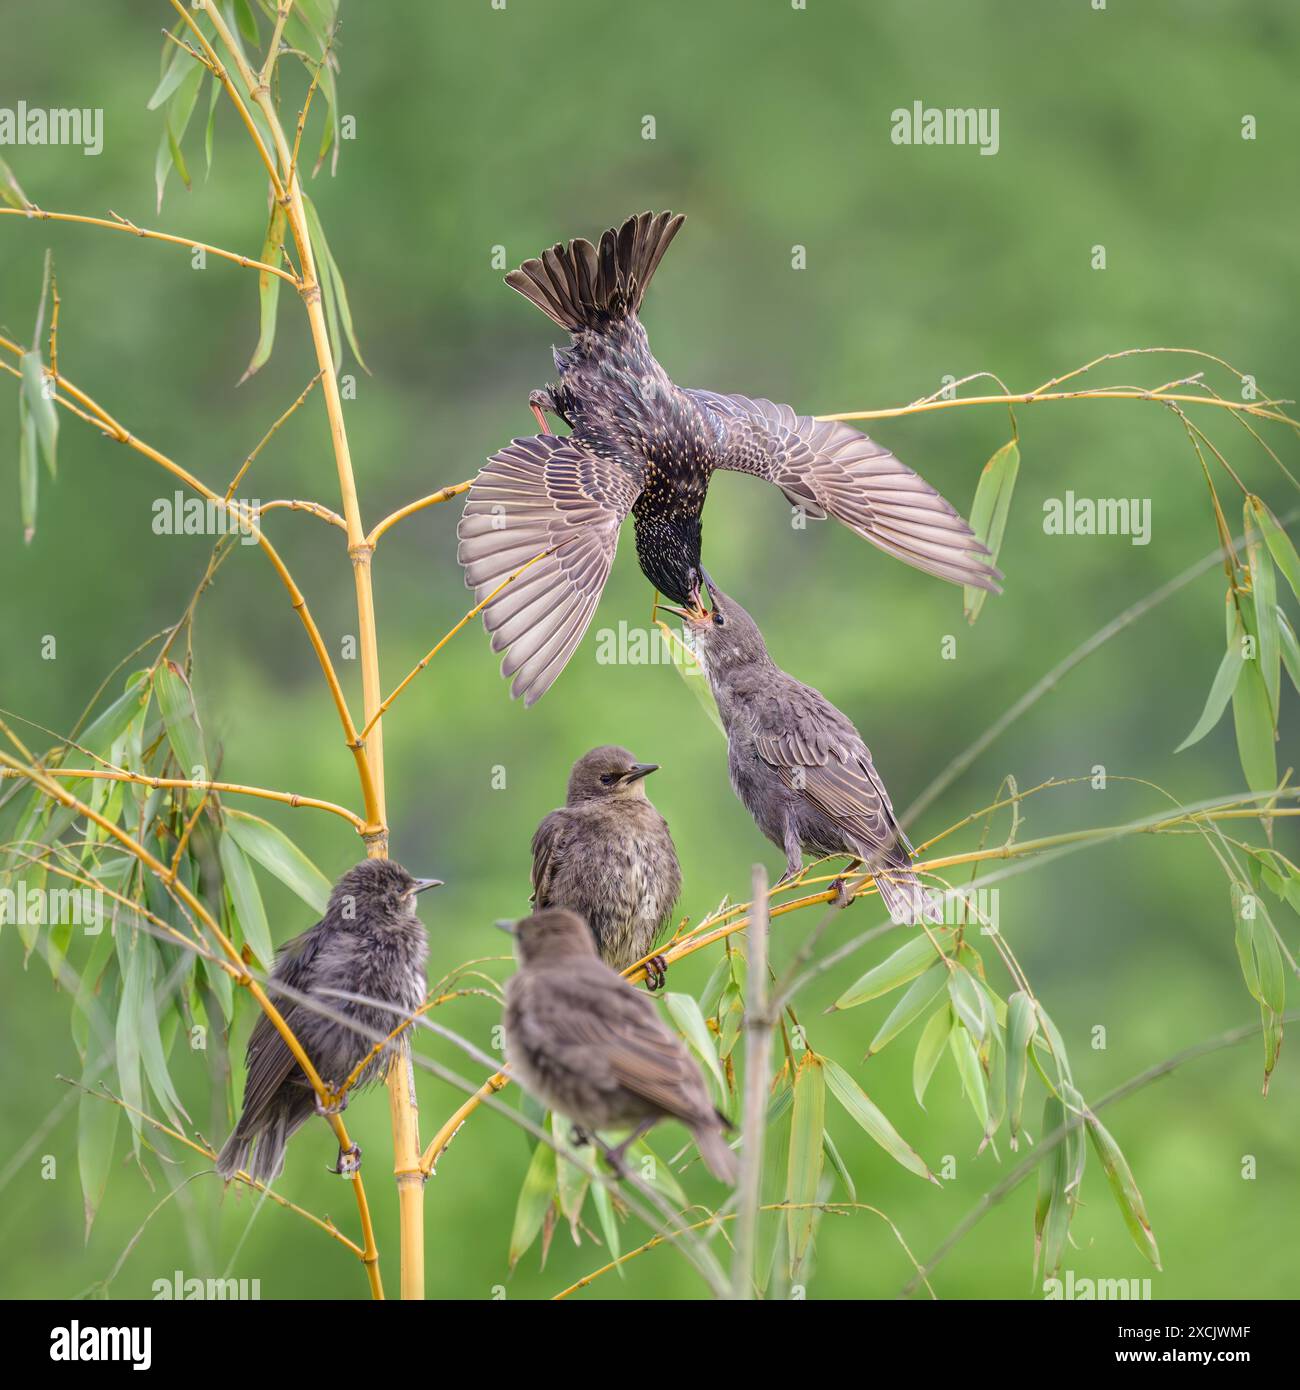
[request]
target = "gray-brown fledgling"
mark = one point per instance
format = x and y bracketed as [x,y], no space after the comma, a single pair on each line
[798,764]
[640,444]
[370,942]
[591,1047]
[607,855]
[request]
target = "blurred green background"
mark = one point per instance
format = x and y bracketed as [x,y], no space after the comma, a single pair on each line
[478,127]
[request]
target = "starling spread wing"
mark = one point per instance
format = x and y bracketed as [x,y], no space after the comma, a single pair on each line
[827,467]
[542,497]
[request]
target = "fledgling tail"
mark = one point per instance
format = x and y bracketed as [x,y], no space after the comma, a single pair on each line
[718,1155]
[579,286]
[907,899]
[266,1146]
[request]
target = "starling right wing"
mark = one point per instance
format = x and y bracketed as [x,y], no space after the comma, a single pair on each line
[826,467]
[548,500]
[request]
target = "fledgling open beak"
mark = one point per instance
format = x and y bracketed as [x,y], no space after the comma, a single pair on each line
[422,883]
[638,771]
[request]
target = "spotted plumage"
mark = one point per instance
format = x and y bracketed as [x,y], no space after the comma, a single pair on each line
[640,444]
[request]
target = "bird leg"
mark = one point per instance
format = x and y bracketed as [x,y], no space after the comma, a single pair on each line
[656,973]
[841,886]
[348,1161]
[578,1137]
[539,402]
[614,1157]
[334,1107]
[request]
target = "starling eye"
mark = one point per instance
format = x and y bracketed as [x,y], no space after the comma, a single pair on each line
[718,619]
[608,778]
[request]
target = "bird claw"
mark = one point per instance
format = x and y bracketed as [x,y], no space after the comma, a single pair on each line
[578,1137]
[336,1106]
[348,1162]
[614,1157]
[656,973]
[843,897]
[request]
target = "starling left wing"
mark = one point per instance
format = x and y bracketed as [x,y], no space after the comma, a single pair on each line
[828,468]
[546,500]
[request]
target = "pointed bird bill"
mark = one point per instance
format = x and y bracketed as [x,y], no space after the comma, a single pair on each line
[421,884]
[640,770]
[506,924]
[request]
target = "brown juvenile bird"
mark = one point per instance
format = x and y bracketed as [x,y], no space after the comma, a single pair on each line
[591,1047]
[798,764]
[643,445]
[369,943]
[607,855]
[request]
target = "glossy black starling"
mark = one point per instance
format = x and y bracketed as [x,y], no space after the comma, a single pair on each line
[797,763]
[640,444]
[595,1050]
[370,942]
[607,855]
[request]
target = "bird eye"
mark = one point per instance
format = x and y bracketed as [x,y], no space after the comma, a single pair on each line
[608,778]
[718,619]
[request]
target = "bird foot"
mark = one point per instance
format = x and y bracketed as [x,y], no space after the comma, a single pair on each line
[843,897]
[656,973]
[614,1157]
[348,1162]
[336,1106]
[579,1137]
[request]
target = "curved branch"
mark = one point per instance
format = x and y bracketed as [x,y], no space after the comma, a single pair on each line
[432,500]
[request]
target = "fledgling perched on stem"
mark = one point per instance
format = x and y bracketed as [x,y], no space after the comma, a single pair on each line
[369,943]
[607,855]
[798,764]
[643,445]
[591,1047]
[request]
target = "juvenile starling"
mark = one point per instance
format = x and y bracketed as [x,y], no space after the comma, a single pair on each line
[591,1047]
[371,943]
[606,854]
[797,763]
[640,444]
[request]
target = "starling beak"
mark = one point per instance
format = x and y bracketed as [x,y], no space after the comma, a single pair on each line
[422,884]
[799,765]
[595,1050]
[643,446]
[364,962]
[608,856]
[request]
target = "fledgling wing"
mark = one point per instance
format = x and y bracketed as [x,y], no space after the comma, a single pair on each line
[270,1063]
[609,1027]
[827,467]
[817,752]
[548,853]
[542,496]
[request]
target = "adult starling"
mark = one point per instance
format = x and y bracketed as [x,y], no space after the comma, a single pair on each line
[369,943]
[591,1047]
[640,444]
[797,763]
[606,854]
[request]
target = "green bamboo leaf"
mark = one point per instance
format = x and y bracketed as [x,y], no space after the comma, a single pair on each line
[126,1034]
[332,288]
[690,1022]
[1263,583]
[278,855]
[535,1197]
[10,191]
[177,65]
[181,720]
[247,22]
[873,1120]
[928,1051]
[1052,1209]
[1279,543]
[903,965]
[1290,648]
[608,1223]
[571,1182]
[214,92]
[807,1153]
[913,1003]
[175,122]
[841,1169]
[1124,1188]
[1021,1027]
[966,1002]
[149,1032]
[1252,715]
[268,290]
[97,1118]
[643,1160]
[1225,682]
[246,900]
[28,462]
[973,1083]
[731,1010]
[41,408]
[687,665]
[1272,1041]
[988,514]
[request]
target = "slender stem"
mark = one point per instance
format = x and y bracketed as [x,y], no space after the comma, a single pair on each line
[237,788]
[432,500]
[123,225]
[297,505]
[758,1062]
